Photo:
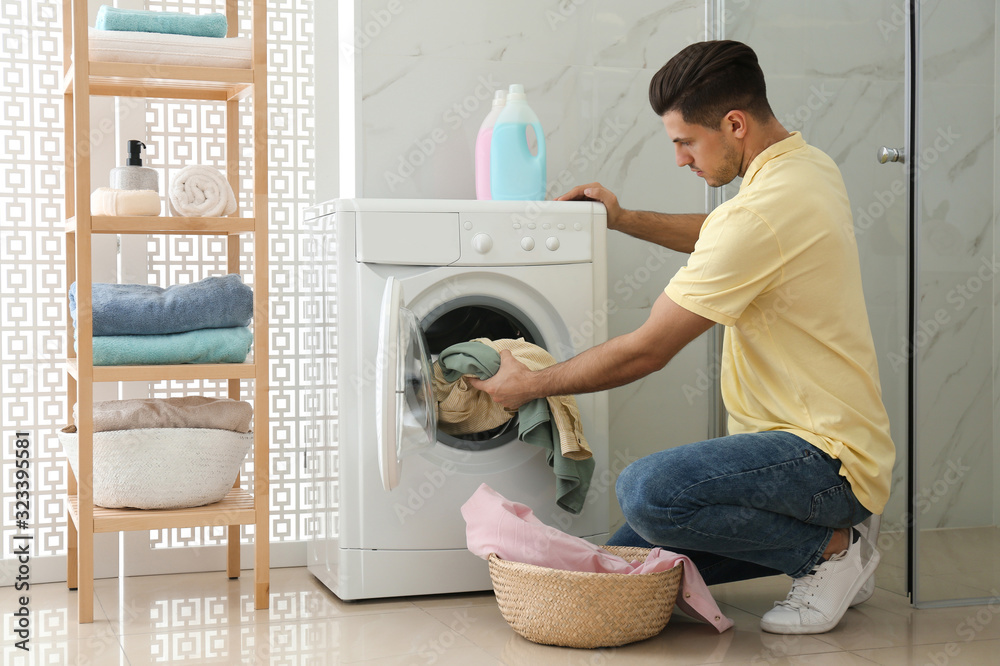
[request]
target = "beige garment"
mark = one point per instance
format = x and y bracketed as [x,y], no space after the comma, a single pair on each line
[192,411]
[564,410]
[463,409]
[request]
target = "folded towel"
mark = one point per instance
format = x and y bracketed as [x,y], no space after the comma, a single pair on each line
[108,201]
[190,411]
[175,23]
[200,191]
[535,423]
[495,524]
[143,309]
[210,345]
[150,48]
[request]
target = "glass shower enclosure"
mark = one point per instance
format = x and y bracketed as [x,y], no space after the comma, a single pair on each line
[903,96]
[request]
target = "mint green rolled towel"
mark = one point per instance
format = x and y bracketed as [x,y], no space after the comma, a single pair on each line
[171,23]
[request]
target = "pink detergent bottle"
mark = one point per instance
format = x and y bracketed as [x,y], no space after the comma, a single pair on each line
[483,141]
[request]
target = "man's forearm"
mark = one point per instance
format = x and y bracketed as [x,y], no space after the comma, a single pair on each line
[676,231]
[599,368]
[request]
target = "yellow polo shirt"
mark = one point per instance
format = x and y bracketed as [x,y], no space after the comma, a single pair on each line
[778,266]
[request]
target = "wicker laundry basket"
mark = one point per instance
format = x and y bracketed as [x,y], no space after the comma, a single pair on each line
[581,609]
[161,468]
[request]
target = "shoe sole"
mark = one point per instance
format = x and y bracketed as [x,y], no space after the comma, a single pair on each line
[827,626]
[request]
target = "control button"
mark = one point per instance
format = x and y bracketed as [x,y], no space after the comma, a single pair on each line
[531,225]
[561,226]
[482,243]
[528,243]
[552,243]
[517,225]
[468,225]
[578,226]
[546,226]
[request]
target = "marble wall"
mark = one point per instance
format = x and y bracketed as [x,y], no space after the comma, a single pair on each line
[424,75]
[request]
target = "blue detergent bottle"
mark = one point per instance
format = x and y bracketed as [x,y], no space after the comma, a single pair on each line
[516,174]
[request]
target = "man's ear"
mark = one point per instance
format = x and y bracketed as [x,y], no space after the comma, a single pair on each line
[735,123]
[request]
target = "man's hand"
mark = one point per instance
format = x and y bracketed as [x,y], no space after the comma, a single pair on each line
[509,387]
[596,192]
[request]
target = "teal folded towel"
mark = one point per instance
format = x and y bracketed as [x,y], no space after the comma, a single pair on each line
[534,422]
[210,345]
[171,23]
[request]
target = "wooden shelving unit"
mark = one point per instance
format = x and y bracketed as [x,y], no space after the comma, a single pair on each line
[83,79]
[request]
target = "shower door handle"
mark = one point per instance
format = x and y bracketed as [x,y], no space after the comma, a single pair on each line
[886,154]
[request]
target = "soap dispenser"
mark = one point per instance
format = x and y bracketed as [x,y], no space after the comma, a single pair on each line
[134,176]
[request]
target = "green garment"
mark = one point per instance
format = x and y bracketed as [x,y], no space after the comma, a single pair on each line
[535,424]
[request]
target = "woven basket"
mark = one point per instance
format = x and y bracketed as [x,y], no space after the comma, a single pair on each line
[161,468]
[581,609]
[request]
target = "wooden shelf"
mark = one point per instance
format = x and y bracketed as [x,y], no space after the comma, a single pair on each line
[82,80]
[149,224]
[236,508]
[164,81]
[155,373]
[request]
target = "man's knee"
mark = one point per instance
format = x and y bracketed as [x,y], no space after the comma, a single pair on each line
[632,487]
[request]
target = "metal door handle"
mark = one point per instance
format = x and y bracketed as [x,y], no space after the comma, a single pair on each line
[886,154]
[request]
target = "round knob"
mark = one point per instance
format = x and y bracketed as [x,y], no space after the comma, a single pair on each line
[552,243]
[482,243]
[886,154]
[528,243]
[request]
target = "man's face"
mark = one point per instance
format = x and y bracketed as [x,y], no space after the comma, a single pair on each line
[711,154]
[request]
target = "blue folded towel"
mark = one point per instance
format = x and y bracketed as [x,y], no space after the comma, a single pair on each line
[211,345]
[173,23]
[142,309]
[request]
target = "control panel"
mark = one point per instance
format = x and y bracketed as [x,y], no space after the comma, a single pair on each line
[473,233]
[547,237]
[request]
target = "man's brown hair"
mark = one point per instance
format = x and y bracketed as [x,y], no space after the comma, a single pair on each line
[707,80]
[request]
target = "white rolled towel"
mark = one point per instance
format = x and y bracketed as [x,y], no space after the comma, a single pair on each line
[200,191]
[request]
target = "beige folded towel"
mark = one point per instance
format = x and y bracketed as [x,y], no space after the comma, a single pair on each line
[108,201]
[192,411]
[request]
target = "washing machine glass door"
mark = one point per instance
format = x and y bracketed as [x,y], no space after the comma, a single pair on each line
[406,420]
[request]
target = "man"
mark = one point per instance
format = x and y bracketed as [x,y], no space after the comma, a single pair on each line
[809,454]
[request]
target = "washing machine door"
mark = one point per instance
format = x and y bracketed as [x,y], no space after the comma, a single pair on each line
[406,420]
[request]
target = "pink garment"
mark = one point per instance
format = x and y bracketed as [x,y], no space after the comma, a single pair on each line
[494,524]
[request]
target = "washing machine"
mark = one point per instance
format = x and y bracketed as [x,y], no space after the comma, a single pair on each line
[409,278]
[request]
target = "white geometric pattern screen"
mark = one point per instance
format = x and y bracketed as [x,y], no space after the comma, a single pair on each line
[32,277]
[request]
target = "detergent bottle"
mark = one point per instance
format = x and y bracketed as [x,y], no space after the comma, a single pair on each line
[516,174]
[483,141]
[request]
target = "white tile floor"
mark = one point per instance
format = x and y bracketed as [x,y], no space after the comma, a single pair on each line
[207,619]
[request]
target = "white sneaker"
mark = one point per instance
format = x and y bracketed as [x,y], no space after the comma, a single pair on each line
[869,530]
[817,601]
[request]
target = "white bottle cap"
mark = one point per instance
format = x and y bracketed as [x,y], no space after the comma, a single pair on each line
[516,92]
[499,97]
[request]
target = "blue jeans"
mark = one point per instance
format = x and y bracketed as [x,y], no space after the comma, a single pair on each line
[740,507]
